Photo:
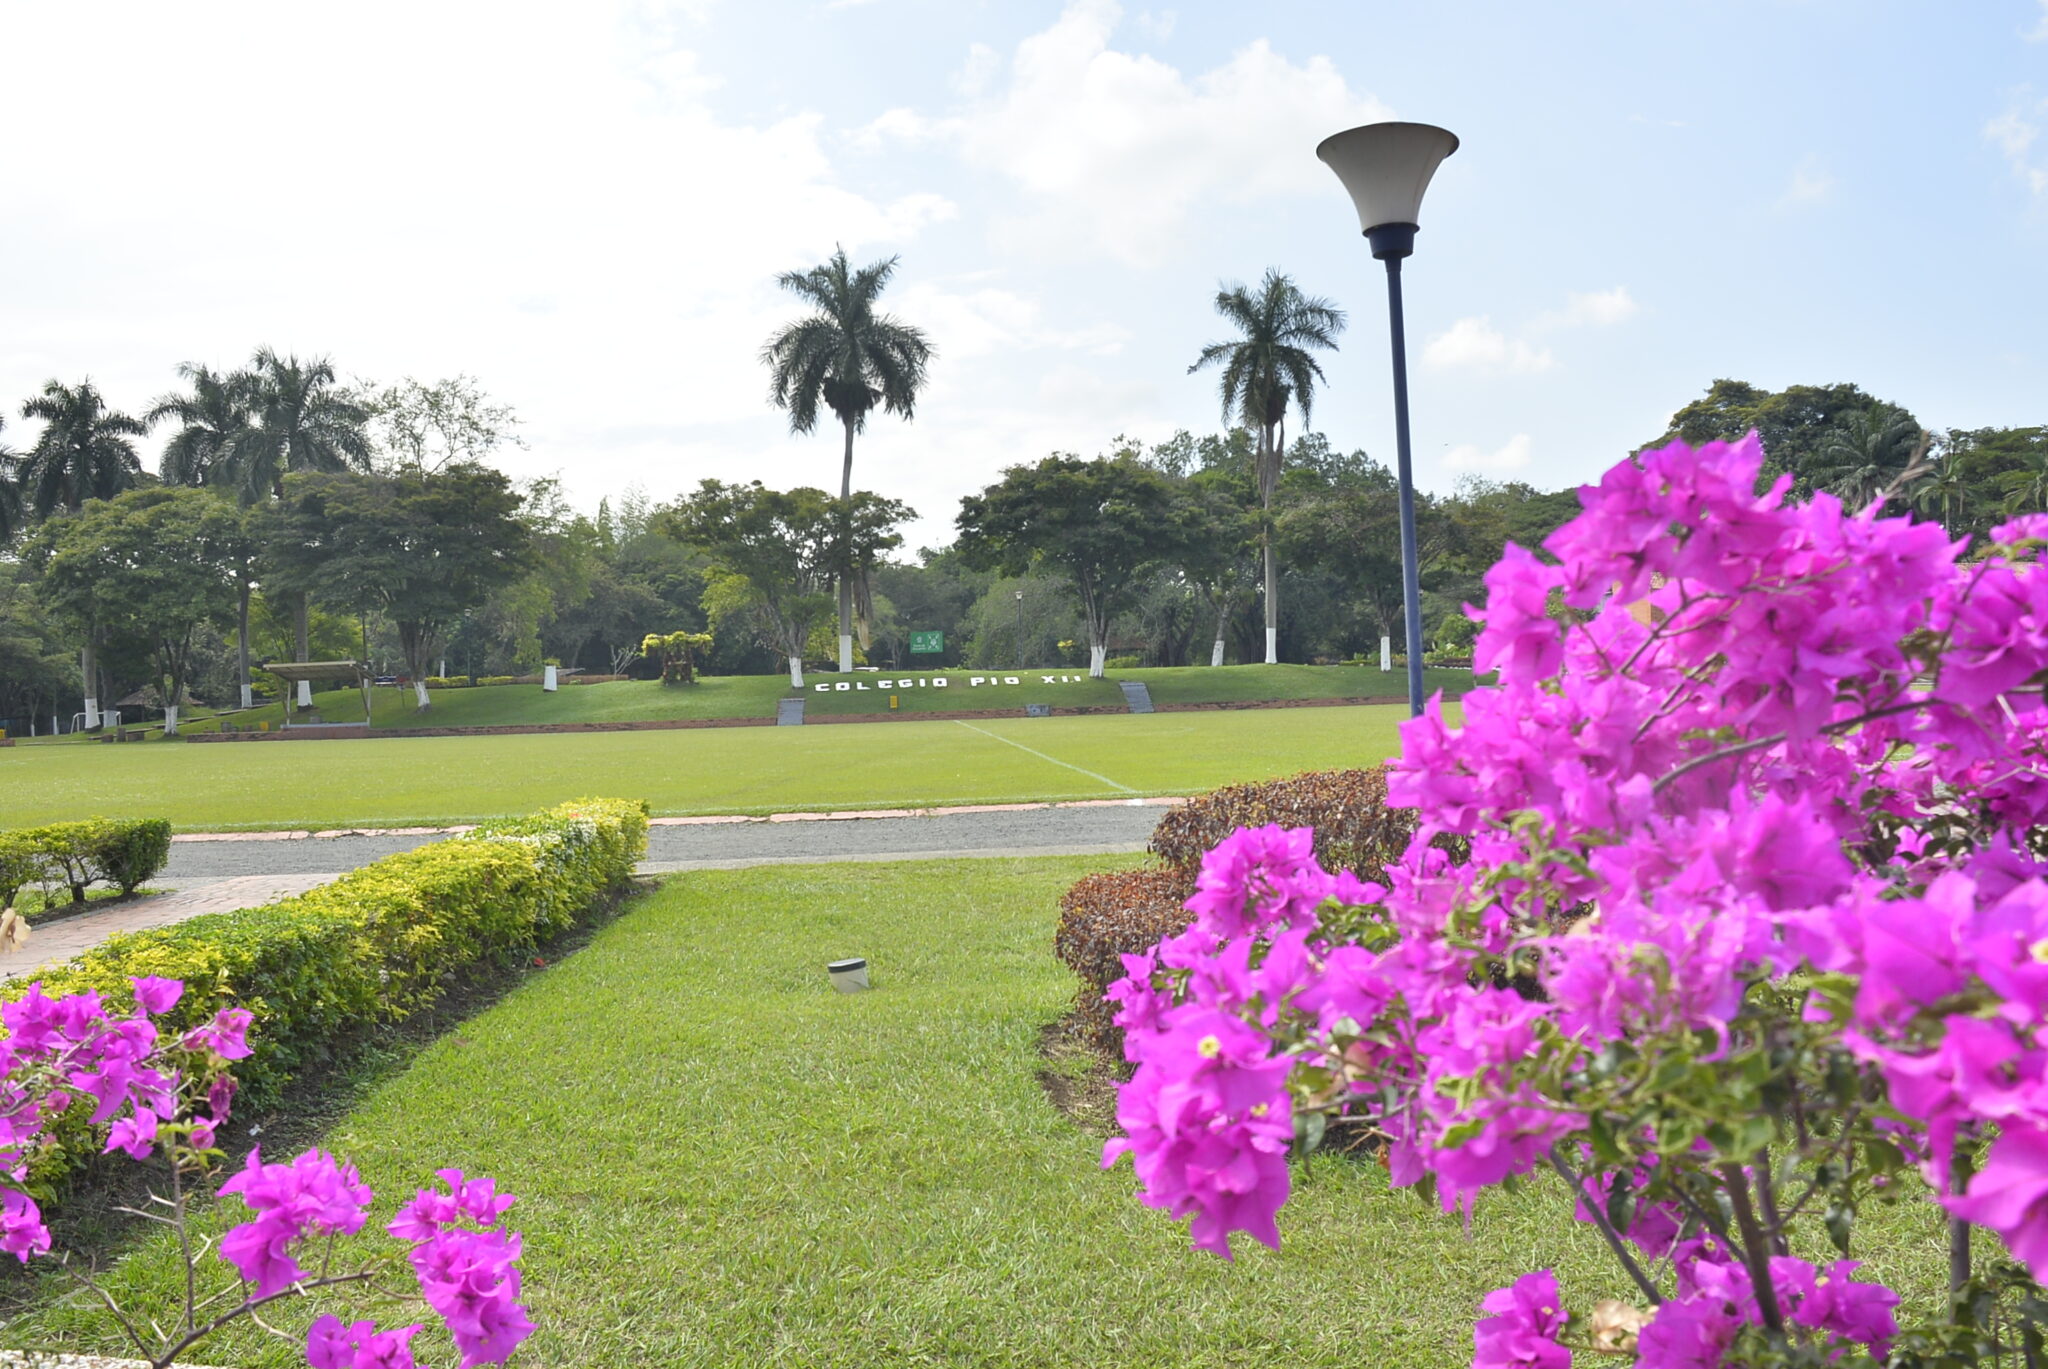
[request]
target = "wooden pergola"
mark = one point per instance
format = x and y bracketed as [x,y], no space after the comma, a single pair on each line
[322,672]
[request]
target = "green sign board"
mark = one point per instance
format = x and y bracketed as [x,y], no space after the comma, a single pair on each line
[927,643]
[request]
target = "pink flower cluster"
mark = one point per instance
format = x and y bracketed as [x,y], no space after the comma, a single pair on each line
[1733,739]
[61,1053]
[468,1274]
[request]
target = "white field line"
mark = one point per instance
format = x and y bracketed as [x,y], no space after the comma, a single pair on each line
[1042,756]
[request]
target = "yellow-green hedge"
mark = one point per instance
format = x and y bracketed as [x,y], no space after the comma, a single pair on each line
[377,944]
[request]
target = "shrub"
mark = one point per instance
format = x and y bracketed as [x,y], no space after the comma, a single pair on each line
[1110,915]
[1122,663]
[378,944]
[124,853]
[1355,830]
[1107,916]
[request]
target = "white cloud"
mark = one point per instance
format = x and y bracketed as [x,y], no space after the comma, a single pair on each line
[2039,32]
[978,72]
[1477,343]
[1512,455]
[1111,150]
[988,320]
[1809,185]
[1599,308]
[2013,133]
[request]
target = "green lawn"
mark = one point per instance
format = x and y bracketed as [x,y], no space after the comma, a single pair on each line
[754,696]
[397,781]
[721,1162]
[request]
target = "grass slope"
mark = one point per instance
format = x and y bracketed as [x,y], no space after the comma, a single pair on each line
[754,696]
[396,781]
[722,1162]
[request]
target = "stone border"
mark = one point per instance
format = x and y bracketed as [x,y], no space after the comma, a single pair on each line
[297,734]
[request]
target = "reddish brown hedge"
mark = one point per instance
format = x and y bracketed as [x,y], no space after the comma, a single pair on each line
[1107,916]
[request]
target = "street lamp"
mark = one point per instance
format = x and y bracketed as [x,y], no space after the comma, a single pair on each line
[1385,168]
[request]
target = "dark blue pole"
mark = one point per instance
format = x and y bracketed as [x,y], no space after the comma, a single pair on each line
[1411,587]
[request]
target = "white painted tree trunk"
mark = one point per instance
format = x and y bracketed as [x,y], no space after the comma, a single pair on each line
[170,720]
[419,691]
[845,652]
[1272,646]
[88,670]
[1097,654]
[306,694]
[796,672]
[1216,653]
[1386,653]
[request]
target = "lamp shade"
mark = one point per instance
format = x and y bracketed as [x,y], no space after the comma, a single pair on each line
[1386,167]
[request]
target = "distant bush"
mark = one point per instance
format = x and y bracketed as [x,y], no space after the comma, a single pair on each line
[447,682]
[1123,662]
[1104,917]
[123,853]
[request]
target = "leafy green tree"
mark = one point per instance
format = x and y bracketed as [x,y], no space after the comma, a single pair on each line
[13,513]
[847,358]
[425,427]
[1267,366]
[35,668]
[155,563]
[1102,524]
[85,451]
[1220,548]
[774,554]
[2026,486]
[1943,489]
[1793,423]
[421,548]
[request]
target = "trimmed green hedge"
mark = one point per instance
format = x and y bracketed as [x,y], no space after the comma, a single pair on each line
[379,943]
[78,854]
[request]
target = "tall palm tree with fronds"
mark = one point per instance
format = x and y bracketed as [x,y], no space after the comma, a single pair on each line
[1265,368]
[847,358]
[304,421]
[2027,488]
[1943,489]
[1859,460]
[216,416]
[85,451]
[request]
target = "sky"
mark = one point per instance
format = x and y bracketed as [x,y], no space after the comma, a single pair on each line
[585,206]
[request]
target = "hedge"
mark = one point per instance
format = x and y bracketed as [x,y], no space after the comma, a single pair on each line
[376,945]
[1104,917]
[78,854]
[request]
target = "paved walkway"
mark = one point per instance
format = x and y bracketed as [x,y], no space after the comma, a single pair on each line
[52,943]
[213,872]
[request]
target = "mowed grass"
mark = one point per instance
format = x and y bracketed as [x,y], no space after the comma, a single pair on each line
[755,696]
[399,781]
[722,1162]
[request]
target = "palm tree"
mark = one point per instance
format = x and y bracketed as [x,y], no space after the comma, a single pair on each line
[849,358]
[2027,487]
[12,512]
[1267,367]
[1858,461]
[217,416]
[304,421]
[1943,489]
[213,420]
[83,452]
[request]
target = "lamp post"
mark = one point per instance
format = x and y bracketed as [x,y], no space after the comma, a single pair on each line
[1385,168]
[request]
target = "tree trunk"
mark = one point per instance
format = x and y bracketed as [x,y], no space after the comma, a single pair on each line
[242,650]
[88,669]
[305,616]
[796,672]
[1269,476]
[170,720]
[845,580]
[1098,653]
[419,692]
[1222,624]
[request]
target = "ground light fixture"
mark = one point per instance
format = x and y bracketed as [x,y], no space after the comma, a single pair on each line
[1385,168]
[848,976]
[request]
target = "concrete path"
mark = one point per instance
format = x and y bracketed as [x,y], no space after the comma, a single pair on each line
[52,943]
[220,872]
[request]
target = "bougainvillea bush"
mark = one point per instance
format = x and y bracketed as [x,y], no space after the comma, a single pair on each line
[160,1097]
[1743,925]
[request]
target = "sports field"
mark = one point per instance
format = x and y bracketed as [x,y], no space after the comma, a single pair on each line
[401,781]
[755,696]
